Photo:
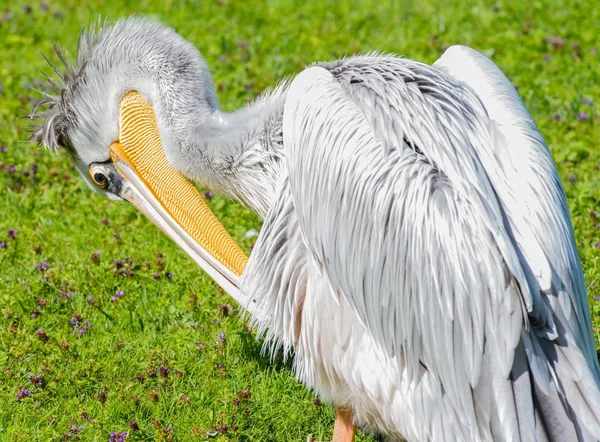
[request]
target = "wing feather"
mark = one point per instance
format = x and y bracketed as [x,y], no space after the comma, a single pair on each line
[401,183]
[526,181]
[395,236]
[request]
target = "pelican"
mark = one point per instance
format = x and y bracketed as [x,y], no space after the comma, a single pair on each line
[417,259]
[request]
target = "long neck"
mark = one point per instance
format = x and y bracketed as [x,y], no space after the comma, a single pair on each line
[239,154]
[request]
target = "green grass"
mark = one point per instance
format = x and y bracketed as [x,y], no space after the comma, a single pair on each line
[175,323]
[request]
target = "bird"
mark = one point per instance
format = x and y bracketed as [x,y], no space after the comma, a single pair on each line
[416,261]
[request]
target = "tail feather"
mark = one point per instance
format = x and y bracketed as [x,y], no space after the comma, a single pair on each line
[568,409]
[553,418]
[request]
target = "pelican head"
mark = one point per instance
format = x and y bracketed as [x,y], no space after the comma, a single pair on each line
[134,54]
[140,117]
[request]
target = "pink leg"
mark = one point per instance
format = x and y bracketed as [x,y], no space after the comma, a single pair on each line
[344,430]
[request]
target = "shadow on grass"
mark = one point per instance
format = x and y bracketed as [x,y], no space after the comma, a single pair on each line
[253,348]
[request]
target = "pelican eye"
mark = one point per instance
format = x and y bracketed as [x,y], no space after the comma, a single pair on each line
[99,177]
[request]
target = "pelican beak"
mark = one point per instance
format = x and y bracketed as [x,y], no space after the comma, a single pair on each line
[169,199]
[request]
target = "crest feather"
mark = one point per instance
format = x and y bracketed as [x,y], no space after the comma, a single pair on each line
[52,115]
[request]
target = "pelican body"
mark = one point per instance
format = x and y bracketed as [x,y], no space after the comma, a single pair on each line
[417,253]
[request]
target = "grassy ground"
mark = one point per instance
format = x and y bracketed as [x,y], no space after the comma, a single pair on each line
[107,327]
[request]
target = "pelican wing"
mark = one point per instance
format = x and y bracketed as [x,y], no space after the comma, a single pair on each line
[527,183]
[395,170]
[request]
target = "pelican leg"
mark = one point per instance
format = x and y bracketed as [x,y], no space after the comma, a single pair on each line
[343,430]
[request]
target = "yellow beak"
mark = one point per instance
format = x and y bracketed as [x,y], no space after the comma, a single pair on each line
[169,199]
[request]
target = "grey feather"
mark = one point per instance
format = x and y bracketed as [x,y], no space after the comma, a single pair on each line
[445,215]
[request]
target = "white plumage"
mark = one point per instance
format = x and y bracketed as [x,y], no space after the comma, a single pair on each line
[427,208]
